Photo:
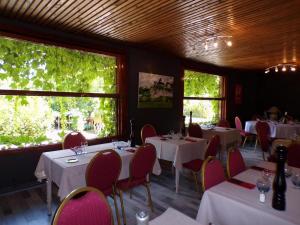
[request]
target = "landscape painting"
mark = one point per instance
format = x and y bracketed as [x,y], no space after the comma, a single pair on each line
[155,91]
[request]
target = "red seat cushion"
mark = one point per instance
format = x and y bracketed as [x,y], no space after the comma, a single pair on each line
[126,184]
[244,133]
[194,165]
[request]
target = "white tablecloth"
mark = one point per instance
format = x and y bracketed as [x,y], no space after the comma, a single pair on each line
[69,176]
[277,130]
[229,204]
[178,151]
[173,217]
[229,137]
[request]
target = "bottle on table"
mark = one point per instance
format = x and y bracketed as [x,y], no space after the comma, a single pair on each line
[191,116]
[279,183]
[131,137]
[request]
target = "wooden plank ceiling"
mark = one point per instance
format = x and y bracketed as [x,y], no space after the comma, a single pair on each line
[264,32]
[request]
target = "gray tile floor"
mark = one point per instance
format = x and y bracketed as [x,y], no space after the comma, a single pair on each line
[29,206]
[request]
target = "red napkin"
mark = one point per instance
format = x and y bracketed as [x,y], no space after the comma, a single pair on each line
[241,183]
[190,140]
[131,150]
[261,169]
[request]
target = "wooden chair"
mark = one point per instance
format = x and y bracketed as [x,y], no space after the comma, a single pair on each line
[141,166]
[103,172]
[86,206]
[235,163]
[73,139]
[212,173]
[196,164]
[147,131]
[243,133]
[195,130]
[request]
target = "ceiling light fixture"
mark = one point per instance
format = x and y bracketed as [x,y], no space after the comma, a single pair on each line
[216,41]
[283,67]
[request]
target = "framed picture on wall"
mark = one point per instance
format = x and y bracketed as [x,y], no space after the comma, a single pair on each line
[155,91]
[238,94]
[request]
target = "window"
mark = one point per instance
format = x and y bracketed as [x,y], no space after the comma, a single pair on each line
[203,96]
[48,91]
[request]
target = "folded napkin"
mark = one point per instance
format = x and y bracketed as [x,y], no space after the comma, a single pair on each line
[131,150]
[190,140]
[241,183]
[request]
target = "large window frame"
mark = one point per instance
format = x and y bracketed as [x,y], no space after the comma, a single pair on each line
[223,92]
[120,96]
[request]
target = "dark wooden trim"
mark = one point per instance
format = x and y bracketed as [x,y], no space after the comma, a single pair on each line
[205,98]
[52,93]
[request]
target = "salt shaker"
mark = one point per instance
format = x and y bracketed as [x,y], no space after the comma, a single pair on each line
[142,218]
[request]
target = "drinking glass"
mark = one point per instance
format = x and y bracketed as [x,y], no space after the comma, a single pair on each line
[263,185]
[296,180]
[84,145]
[266,174]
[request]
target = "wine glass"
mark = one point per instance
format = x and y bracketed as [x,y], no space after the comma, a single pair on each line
[263,185]
[266,174]
[296,180]
[84,145]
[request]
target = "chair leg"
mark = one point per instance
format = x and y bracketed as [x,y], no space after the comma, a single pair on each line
[130,194]
[196,181]
[149,196]
[256,141]
[263,153]
[122,206]
[245,139]
[116,207]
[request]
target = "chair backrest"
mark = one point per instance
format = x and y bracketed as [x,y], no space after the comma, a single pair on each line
[195,130]
[293,155]
[142,162]
[223,123]
[213,146]
[238,123]
[263,134]
[73,139]
[103,171]
[84,206]
[147,131]
[212,173]
[235,163]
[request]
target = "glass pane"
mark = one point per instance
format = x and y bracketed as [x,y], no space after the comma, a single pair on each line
[27,121]
[203,111]
[30,66]
[198,84]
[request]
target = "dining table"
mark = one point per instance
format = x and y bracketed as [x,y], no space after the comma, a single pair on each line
[178,150]
[67,170]
[236,203]
[229,137]
[277,129]
[172,216]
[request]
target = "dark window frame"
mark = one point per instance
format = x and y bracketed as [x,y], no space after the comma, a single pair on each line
[120,95]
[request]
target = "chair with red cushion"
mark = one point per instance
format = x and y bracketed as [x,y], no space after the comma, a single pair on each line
[223,123]
[243,133]
[73,139]
[293,155]
[141,166]
[147,131]
[235,163]
[263,135]
[195,130]
[84,206]
[103,172]
[196,164]
[212,173]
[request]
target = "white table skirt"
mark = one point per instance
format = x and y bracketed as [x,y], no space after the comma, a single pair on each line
[173,217]
[69,176]
[277,130]
[229,137]
[178,151]
[229,204]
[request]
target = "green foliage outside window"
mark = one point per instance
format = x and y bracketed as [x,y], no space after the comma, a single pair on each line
[202,85]
[27,66]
